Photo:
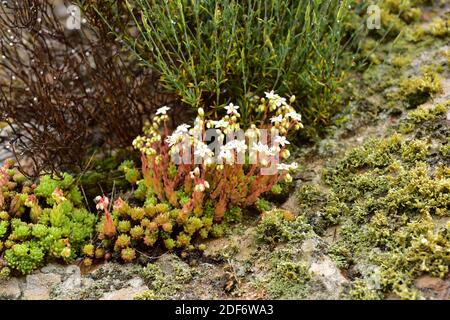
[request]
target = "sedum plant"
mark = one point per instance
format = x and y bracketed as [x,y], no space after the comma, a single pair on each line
[189,191]
[183,170]
[40,222]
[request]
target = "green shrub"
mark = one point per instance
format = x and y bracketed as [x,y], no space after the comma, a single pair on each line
[213,52]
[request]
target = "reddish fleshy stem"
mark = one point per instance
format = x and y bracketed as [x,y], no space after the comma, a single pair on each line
[109,229]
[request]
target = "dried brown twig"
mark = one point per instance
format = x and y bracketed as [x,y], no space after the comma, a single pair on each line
[64,92]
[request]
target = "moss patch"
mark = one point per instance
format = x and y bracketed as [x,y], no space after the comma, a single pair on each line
[418,90]
[387,196]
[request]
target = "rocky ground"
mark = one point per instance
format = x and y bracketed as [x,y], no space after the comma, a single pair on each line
[289,252]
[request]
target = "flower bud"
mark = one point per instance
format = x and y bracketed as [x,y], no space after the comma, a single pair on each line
[285,154]
[199,187]
[288,178]
[208,161]
[65,253]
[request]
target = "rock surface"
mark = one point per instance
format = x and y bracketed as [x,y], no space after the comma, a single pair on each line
[124,293]
[38,285]
[10,289]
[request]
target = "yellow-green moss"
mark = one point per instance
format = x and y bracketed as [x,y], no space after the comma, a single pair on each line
[421,115]
[407,10]
[444,150]
[165,282]
[386,198]
[281,225]
[361,291]
[440,28]
[447,55]
[401,61]
[289,280]
[416,150]
[418,90]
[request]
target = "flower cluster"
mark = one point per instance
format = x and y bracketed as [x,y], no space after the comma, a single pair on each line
[234,170]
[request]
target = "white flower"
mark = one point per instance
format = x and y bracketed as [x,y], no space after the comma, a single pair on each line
[260,147]
[270,95]
[295,116]
[279,101]
[162,110]
[202,150]
[102,202]
[282,166]
[221,124]
[231,108]
[173,139]
[239,145]
[287,167]
[263,149]
[276,119]
[194,173]
[225,154]
[201,186]
[182,128]
[279,140]
[276,99]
